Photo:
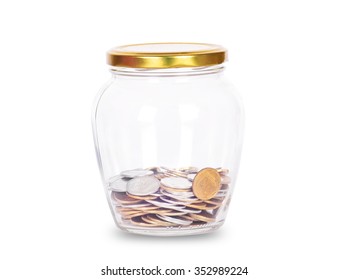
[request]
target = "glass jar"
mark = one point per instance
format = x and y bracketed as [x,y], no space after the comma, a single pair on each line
[168,135]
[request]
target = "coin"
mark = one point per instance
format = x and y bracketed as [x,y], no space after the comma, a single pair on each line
[173,201]
[191,176]
[136,173]
[174,172]
[128,216]
[137,205]
[153,219]
[165,205]
[222,171]
[187,194]
[139,222]
[206,183]
[188,210]
[161,211]
[143,185]
[203,216]
[221,194]
[190,169]
[181,198]
[123,198]
[171,190]
[201,206]
[176,183]
[214,201]
[177,220]
[146,197]
[225,180]
[118,184]
[173,213]
[169,197]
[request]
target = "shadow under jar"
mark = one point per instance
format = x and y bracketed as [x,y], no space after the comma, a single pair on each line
[168,135]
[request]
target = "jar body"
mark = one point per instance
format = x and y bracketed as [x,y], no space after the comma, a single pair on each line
[155,132]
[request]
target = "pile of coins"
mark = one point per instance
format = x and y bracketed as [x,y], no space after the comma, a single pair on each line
[165,197]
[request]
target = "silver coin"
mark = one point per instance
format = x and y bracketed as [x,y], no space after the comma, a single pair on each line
[174,201]
[136,205]
[191,176]
[136,173]
[188,194]
[220,194]
[225,180]
[188,170]
[190,210]
[181,198]
[176,183]
[143,185]
[177,220]
[174,172]
[118,185]
[165,205]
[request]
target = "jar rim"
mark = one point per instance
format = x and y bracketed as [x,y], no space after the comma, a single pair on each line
[166,55]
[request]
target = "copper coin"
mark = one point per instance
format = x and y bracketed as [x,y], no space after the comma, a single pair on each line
[130,216]
[153,219]
[138,221]
[147,197]
[201,206]
[206,183]
[203,217]
[214,201]
[146,208]
[173,213]
[160,211]
[123,198]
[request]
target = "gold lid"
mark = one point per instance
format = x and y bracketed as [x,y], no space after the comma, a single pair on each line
[166,55]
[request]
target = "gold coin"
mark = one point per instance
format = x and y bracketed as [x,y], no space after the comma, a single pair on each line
[206,183]
[203,217]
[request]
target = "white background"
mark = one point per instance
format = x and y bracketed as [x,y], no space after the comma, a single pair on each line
[290,61]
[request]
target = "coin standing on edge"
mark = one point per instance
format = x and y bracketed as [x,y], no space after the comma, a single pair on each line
[206,183]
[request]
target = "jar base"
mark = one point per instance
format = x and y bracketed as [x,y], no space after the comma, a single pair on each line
[178,231]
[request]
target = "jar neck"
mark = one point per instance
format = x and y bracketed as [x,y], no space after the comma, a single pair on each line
[167,72]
